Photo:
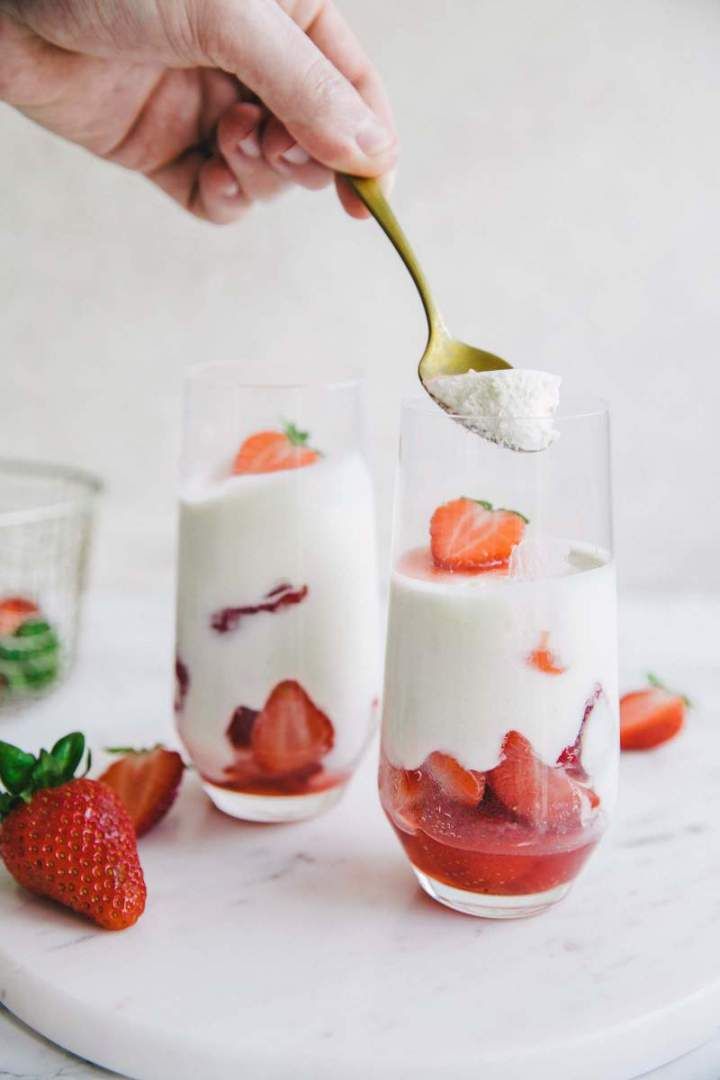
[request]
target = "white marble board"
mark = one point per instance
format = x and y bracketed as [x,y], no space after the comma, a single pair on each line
[308,951]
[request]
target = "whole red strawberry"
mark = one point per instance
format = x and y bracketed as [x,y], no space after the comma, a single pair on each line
[69,839]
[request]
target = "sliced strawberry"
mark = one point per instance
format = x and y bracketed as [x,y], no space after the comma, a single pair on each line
[468,535]
[243,772]
[290,732]
[457,783]
[14,611]
[147,782]
[650,717]
[544,659]
[401,794]
[239,729]
[543,796]
[274,451]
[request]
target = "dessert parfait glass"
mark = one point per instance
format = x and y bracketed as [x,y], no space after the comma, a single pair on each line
[277,600]
[499,737]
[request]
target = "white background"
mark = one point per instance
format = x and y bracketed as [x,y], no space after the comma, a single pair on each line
[560,177]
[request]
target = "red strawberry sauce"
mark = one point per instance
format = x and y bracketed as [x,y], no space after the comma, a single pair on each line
[418,563]
[493,847]
[227,619]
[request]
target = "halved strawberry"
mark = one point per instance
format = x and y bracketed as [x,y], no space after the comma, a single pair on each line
[539,794]
[457,783]
[273,451]
[650,717]
[147,782]
[544,659]
[290,732]
[468,535]
[401,794]
[14,611]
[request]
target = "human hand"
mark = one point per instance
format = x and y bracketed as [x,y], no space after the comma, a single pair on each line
[218,102]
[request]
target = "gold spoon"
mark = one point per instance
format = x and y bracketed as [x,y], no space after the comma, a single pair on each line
[444,355]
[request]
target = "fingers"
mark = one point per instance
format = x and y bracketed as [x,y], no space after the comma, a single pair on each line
[205,187]
[336,40]
[239,137]
[218,197]
[316,103]
[290,160]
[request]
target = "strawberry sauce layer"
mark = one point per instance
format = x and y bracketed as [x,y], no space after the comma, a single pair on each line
[523,827]
[418,563]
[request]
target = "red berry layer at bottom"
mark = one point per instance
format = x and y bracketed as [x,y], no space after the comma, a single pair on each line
[310,781]
[522,827]
[493,873]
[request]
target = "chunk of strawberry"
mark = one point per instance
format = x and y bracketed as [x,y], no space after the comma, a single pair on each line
[457,783]
[274,451]
[540,794]
[468,535]
[243,772]
[147,782]
[291,732]
[650,717]
[239,730]
[544,659]
[401,792]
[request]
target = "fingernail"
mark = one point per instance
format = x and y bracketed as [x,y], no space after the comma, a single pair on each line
[387,183]
[250,145]
[231,190]
[296,155]
[373,138]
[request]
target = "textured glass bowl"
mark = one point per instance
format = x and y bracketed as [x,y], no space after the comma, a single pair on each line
[46,518]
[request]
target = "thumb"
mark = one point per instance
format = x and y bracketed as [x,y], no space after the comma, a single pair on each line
[258,43]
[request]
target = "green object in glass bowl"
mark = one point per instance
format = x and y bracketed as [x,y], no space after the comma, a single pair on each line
[29,658]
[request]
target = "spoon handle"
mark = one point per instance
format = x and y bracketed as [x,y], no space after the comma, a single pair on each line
[369,191]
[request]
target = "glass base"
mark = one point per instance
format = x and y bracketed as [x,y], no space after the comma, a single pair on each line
[272,808]
[490,907]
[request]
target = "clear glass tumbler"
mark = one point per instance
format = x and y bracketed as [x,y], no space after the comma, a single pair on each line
[499,749]
[277,665]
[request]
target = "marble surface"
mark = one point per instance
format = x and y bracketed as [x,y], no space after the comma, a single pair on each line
[308,950]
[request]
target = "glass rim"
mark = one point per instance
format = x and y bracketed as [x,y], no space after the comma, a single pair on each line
[87,487]
[586,405]
[229,367]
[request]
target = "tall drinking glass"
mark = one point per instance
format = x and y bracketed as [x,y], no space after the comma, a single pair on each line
[499,738]
[277,606]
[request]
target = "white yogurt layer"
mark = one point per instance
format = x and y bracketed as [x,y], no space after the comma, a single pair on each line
[457,677]
[513,407]
[239,539]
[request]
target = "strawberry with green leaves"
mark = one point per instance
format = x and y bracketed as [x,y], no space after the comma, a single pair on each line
[469,535]
[69,838]
[275,451]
